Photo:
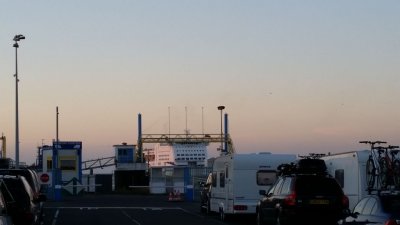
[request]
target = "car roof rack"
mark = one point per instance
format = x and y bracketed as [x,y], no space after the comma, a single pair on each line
[306,165]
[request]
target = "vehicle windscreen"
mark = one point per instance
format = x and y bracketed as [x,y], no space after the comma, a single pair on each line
[14,190]
[317,185]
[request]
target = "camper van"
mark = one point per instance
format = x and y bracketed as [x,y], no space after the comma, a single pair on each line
[236,180]
[349,169]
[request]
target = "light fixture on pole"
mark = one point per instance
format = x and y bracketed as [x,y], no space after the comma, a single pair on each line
[17,38]
[221,108]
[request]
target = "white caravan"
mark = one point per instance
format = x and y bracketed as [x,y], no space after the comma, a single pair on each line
[349,169]
[238,178]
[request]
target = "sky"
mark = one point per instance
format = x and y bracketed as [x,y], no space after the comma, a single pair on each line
[295,76]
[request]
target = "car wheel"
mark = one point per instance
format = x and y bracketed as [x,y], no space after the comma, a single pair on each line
[221,215]
[259,219]
[278,221]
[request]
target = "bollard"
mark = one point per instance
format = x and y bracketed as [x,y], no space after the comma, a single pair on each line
[189,193]
[57,192]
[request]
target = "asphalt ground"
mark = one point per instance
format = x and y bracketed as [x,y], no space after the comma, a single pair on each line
[120,209]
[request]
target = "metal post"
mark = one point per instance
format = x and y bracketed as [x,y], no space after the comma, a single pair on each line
[226,133]
[57,125]
[221,108]
[140,144]
[16,39]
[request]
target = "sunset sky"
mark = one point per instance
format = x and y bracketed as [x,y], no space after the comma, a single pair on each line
[294,76]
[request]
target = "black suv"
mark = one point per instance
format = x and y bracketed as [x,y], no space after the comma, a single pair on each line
[303,194]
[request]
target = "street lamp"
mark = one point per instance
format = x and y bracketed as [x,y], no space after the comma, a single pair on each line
[221,108]
[17,38]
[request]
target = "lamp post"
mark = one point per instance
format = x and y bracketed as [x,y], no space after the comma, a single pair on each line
[17,38]
[221,108]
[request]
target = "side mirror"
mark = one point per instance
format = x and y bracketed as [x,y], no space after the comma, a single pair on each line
[262,192]
[354,215]
[41,198]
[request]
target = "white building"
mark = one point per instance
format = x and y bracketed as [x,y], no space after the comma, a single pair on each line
[179,154]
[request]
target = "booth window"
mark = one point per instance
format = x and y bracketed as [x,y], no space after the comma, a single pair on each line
[122,152]
[49,164]
[67,164]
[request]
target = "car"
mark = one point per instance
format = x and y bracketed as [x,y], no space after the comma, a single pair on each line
[205,194]
[5,218]
[22,206]
[302,196]
[30,176]
[382,209]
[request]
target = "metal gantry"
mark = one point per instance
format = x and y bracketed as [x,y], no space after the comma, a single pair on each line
[98,163]
[187,138]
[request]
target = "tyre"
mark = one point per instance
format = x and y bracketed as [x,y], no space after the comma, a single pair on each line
[259,218]
[370,167]
[208,209]
[222,215]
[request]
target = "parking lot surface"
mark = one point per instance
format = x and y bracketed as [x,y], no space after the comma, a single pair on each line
[121,209]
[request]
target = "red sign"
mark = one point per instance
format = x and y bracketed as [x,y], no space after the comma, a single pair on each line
[44,178]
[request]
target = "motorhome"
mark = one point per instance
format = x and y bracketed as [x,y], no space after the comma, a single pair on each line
[349,169]
[236,180]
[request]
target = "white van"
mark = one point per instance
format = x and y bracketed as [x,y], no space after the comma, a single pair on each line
[238,178]
[349,169]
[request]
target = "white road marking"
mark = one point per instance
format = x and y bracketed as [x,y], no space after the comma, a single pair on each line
[55,217]
[133,220]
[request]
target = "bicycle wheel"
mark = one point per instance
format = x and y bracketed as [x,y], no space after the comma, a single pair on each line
[396,172]
[370,167]
[384,176]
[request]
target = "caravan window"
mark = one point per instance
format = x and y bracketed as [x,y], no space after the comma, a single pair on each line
[214,179]
[266,177]
[222,179]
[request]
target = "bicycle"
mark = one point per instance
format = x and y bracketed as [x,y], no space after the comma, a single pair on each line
[372,168]
[389,165]
[395,162]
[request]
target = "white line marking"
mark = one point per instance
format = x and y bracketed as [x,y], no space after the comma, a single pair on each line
[55,217]
[133,220]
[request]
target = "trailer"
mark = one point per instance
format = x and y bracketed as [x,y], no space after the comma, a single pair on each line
[349,169]
[236,180]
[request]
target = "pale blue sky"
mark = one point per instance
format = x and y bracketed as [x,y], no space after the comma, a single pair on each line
[295,76]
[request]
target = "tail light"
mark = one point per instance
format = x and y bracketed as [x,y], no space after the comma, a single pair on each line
[240,207]
[345,201]
[290,200]
[391,222]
